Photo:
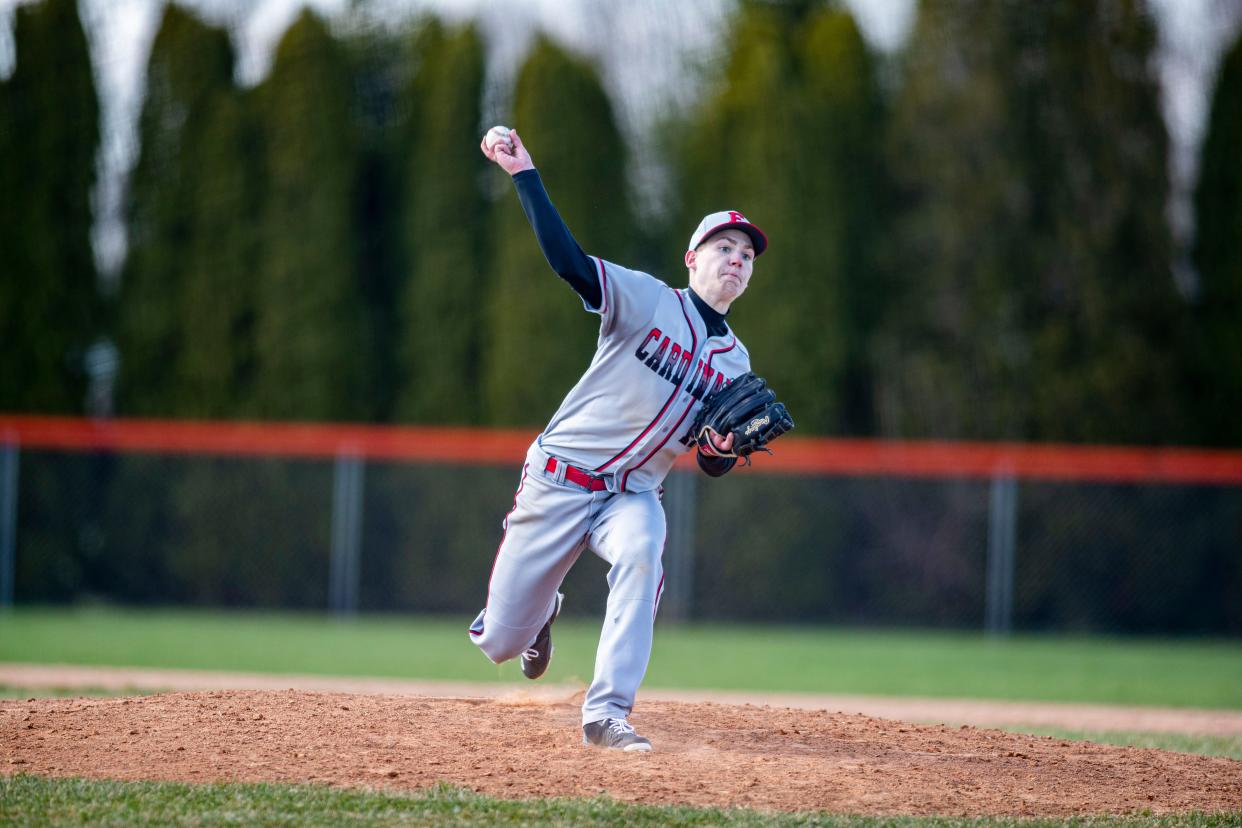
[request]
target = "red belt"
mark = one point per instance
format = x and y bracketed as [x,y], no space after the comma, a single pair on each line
[573,474]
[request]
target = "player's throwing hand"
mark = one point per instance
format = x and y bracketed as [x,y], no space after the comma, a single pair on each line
[505,147]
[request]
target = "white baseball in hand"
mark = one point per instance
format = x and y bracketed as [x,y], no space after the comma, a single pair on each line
[499,139]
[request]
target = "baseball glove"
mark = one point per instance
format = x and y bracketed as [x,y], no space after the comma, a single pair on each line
[747,408]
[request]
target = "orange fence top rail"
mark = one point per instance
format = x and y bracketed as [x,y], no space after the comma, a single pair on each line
[479,446]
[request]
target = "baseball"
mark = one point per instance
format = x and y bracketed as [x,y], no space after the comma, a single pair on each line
[498,135]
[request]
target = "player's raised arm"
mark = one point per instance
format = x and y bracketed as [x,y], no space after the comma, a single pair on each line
[504,146]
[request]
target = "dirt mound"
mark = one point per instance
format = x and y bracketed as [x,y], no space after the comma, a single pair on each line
[1014,715]
[706,754]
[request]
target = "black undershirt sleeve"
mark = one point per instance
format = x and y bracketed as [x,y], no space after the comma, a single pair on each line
[558,245]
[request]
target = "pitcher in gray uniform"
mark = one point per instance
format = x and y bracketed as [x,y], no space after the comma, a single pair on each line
[592,477]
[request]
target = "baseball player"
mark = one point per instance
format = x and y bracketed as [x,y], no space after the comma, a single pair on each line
[592,478]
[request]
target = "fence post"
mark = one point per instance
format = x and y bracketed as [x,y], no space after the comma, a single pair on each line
[1002,539]
[680,496]
[8,519]
[343,571]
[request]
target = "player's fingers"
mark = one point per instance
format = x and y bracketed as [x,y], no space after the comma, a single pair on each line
[487,152]
[727,443]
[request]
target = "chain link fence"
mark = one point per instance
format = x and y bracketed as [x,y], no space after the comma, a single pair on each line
[349,535]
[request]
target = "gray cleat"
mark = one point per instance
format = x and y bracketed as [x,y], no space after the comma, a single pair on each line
[614,733]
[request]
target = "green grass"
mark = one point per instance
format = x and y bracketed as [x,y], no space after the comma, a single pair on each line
[1180,673]
[955,665]
[31,800]
[8,691]
[1229,747]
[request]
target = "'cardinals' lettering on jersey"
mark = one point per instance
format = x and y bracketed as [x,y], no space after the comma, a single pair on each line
[629,415]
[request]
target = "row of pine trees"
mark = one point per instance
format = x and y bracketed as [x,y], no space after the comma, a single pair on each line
[968,241]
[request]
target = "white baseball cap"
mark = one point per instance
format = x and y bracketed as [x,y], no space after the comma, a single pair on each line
[713,223]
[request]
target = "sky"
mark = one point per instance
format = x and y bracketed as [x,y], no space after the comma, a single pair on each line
[646,49]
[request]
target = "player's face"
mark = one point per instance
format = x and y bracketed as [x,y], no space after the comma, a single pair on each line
[720,268]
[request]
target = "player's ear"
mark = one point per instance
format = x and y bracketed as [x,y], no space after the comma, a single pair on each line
[691,258]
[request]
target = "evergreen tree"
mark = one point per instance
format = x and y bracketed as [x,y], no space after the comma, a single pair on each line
[443,301]
[311,346]
[379,62]
[792,140]
[1108,316]
[16,271]
[541,340]
[183,300]
[1218,258]
[851,212]
[1036,295]
[190,68]
[965,202]
[49,136]
[216,365]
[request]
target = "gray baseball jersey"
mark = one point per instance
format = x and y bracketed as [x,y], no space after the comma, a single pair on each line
[629,416]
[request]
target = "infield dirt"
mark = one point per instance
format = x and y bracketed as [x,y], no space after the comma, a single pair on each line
[770,758]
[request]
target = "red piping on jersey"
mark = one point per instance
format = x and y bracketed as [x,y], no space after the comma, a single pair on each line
[693,347]
[603,286]
[680,419]
[521,484]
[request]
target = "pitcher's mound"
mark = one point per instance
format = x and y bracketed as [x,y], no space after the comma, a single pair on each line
[705,754]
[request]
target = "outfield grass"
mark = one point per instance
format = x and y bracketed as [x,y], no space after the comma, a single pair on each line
[8,691]
[30,800]
[1229,747]
[1180,673]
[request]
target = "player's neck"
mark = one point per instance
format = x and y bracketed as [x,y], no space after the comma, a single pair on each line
[716,299]
[712,316]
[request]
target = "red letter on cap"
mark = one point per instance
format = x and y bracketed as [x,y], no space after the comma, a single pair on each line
[735,216]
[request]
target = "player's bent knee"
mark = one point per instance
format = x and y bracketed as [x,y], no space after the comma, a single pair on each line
[500,644]
[649,549]
[639,556]
[500,651]
[642,555]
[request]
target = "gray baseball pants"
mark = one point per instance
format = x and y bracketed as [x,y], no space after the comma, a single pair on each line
[552,521]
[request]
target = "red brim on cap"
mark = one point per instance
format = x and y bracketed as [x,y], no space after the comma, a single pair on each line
[757,236]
